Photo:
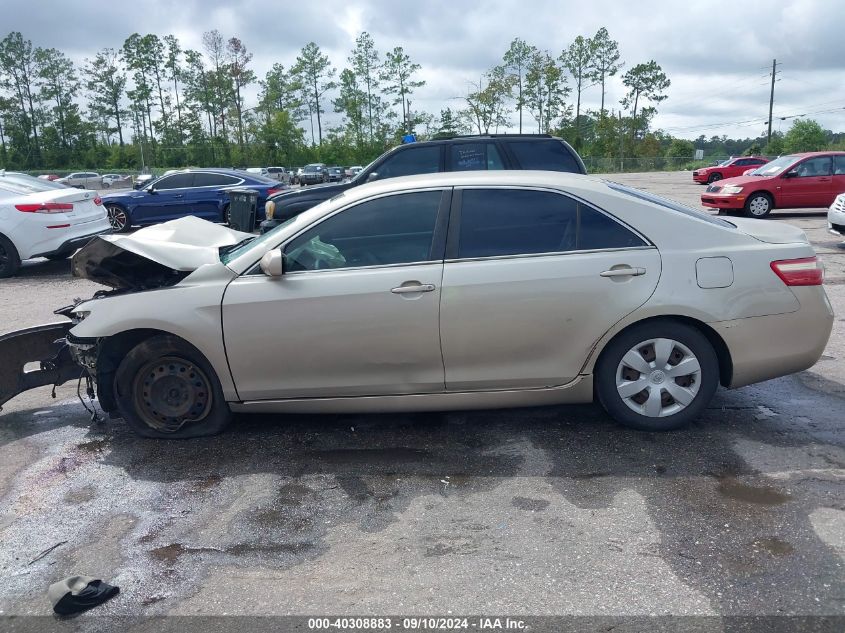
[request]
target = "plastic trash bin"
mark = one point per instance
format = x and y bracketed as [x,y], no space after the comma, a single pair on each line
[242,209]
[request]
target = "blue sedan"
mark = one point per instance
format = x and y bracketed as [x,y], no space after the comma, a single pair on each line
[199,192]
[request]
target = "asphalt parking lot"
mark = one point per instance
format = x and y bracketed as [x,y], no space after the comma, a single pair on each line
[546,511]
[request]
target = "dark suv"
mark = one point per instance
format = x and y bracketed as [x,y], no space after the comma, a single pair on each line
[459,153]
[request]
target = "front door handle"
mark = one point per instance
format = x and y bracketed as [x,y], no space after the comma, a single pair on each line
[824,179]
[177,195]
[403,290]
[623,272]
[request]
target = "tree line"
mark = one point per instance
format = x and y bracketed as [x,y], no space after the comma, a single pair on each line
[153,102]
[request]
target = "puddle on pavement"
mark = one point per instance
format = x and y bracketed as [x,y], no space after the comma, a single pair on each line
[168,553]
[762,495]
[207,483]
[371,456]
[529,505]
[94,446]
[774,546]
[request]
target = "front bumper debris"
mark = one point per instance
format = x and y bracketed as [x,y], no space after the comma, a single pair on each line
[43,344]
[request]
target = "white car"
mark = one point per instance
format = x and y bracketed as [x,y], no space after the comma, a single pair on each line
[262,171]
[41,219]
[836,216]
[111,180]
[448,291]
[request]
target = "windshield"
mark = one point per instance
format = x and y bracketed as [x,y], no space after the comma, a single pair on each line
[228,253]
[668,204]
[313,168]
[725,163]
[776,167]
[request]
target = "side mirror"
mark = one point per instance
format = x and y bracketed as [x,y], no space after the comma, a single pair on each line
[150,190]
[792,173]
[273,263]
[373,175]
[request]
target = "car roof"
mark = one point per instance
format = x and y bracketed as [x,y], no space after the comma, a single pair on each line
[214,170]
[821,153]
[471,137]
[496,178]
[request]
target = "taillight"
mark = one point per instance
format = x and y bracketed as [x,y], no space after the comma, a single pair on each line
[45,207]
[807,271]
[98,201]
[270,192]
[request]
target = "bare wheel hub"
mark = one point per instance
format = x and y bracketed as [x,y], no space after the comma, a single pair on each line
[170,392]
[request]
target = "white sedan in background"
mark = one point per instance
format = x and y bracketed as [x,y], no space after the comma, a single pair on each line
[448,291]
[39,218]
[836,216]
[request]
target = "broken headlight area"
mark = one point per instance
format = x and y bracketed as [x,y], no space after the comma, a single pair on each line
[85,352]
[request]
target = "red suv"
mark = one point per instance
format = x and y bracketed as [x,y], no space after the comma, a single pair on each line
[812,179]
[727,169]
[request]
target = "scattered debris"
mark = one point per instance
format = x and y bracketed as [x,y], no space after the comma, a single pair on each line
[46,551]
[79,593]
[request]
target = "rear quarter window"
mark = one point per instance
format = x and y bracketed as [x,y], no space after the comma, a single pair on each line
[669,204]
[547,155]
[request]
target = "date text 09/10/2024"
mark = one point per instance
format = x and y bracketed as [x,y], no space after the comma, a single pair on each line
[417,623]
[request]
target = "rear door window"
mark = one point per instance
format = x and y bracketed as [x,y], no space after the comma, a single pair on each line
[202,179]
[839,165]
[475,156]
[502,222]
[547,155]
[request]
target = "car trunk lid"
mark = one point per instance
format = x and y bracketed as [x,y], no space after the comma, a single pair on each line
[771,232]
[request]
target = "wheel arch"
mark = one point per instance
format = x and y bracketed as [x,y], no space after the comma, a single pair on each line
[112,350]
[723,354]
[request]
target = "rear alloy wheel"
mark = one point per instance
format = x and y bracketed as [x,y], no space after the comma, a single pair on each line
[165,388]
[758,205]
[714,177]
[10,261]
[118,218]
[658,376]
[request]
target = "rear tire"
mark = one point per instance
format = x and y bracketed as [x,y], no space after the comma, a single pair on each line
[646,356]
[10,261]
[758,205]
[166,389]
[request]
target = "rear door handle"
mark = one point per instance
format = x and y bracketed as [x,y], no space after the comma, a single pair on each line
[403,290]
[623,272]
[177,195]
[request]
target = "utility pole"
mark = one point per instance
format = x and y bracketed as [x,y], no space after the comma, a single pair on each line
[771,100]
[621,144]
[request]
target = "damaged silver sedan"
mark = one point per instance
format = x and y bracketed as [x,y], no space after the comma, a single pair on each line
[438,292]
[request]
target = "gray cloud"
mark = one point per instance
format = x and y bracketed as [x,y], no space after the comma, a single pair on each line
[717,56]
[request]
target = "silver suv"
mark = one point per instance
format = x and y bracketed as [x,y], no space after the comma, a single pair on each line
[83,180]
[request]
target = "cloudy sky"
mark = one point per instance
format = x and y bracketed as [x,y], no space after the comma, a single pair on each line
[718,55]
